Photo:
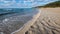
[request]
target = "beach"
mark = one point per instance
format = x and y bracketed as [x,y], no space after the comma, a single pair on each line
[47,23]
[40,21]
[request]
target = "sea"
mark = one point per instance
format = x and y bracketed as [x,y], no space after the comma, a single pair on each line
[12,19]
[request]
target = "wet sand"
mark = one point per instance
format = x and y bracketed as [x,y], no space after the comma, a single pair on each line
[47,23]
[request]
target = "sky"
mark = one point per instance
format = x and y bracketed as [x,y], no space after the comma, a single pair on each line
[23,3]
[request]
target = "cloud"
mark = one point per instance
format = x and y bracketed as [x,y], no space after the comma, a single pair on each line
[6,3]
[21,3]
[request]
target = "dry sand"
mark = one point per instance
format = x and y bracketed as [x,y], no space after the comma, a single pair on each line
[47,23]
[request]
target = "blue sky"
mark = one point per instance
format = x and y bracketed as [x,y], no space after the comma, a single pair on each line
[23,3]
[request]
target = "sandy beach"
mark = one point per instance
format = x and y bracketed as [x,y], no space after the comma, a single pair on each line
[47,23]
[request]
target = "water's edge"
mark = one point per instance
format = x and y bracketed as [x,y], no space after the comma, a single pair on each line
[26,26]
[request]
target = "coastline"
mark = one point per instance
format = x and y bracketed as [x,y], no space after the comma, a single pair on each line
[26,26]
[35,26]
[47,23]
[46,14]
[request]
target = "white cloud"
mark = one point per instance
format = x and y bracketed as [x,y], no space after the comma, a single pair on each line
[7,3]
[13,3]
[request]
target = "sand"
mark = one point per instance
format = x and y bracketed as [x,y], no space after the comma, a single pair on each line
[48,22]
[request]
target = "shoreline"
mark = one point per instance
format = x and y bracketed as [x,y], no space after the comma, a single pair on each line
[24,26]
[47,23]
[46,13]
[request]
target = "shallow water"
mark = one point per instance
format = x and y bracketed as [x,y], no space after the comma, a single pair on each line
[13,19]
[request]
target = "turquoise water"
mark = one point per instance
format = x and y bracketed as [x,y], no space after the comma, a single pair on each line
[16,10]
[9,12]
